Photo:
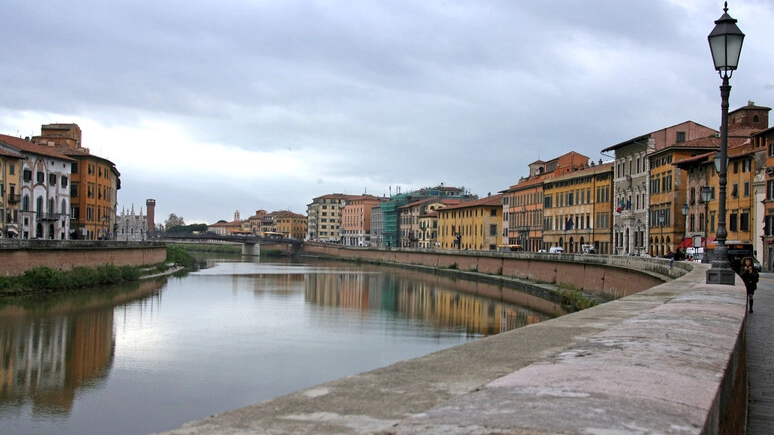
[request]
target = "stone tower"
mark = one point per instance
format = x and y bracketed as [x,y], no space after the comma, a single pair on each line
[150,209]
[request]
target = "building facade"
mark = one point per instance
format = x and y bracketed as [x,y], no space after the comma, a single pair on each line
[473,225]
[9,193]
[523,202]
[94,187]
[324,217]
[44,189]
[356,220]
[578,210]
[131,226]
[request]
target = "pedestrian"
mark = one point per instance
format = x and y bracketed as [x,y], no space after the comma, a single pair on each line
[750,277]
[671,256]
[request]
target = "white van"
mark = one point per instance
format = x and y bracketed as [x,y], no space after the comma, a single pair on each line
[556,250]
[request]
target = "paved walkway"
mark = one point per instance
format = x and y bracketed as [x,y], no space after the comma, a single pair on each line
[760,359]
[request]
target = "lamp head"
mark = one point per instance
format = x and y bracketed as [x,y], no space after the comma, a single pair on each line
[725,42]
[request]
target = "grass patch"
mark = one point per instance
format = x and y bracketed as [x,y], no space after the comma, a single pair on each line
[573,298]
[46,279]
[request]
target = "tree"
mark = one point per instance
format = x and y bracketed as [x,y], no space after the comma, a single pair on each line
[173,221]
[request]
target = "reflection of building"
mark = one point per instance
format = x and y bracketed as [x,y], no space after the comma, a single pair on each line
[48,359]
[427,301]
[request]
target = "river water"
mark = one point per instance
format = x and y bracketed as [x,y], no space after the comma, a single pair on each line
[151,356]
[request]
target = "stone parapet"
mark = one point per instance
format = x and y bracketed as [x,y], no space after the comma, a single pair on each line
[18,256]
[669,359]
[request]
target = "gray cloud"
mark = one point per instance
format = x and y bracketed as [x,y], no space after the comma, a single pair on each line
[365,96]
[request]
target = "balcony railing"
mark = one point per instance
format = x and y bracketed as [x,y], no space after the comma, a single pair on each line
[49,216]
[14,199]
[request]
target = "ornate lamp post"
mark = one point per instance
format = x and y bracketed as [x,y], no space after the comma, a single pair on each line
[660,250]
[640,237]
[706,196]
[725,42]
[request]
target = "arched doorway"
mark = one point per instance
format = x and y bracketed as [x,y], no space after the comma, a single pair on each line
[39,231]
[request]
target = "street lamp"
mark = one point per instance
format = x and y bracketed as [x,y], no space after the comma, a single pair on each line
[640,238]
[725,42]
[706,196]
[685,211]
[660,248]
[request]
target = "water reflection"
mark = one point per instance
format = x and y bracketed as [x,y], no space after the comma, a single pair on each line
[50,354]
[224,337]
[427,301]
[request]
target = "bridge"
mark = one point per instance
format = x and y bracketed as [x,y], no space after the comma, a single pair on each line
[668,355]
[250,243]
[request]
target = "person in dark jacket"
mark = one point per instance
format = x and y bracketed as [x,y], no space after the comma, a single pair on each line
[750,277]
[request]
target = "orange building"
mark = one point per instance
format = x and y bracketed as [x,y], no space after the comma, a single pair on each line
[356,220]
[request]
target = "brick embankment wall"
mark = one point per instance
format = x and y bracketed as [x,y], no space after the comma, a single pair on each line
[612,277]
[14,262]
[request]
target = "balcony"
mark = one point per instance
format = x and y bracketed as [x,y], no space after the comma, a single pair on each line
[48,216]
[14,199]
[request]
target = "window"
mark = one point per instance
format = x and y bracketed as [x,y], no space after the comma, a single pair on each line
[52,179]
[27,175]
[41,177]
[74,168]
[744,220]
[493,212]
[735,190]
[26,203]
[74,190]
[736,167]
[746,188]
[11,169]
[733,221]
[64,181]
[493,230]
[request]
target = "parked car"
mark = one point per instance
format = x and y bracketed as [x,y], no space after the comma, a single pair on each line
[556,250]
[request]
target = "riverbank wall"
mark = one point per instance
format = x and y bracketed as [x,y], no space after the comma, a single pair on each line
[18,256]
[610,277]
[669,359]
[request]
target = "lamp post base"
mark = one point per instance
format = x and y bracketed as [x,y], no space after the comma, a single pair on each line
[721,276]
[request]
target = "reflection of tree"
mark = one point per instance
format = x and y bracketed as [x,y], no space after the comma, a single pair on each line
[428,300]
[49,354]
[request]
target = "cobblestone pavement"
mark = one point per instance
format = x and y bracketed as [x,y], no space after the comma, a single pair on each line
[760,359]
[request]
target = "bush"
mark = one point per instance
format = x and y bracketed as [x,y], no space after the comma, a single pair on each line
[179,256]
[48,279]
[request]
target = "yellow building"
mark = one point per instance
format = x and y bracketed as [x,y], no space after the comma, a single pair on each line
[578,210]
[9,191]
[473,225]
[290,224]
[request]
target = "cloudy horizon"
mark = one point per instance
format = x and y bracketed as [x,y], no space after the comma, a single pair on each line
[213,107]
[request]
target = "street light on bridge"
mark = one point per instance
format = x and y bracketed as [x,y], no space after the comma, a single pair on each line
[725,42]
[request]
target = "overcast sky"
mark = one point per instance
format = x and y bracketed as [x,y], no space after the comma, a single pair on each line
[215,106]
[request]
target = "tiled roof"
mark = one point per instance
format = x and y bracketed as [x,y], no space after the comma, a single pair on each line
[492,200]
[29,147]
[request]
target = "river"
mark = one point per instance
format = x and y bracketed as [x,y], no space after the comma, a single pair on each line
[150,356]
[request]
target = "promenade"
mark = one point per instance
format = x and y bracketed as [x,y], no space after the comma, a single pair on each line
[760,359]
